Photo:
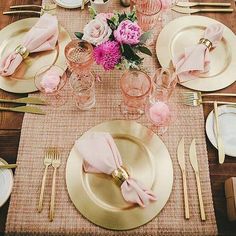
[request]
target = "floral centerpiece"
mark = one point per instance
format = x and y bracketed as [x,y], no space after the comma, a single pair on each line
[117,40]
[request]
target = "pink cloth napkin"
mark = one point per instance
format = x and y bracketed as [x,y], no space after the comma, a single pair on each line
[101,155]
[196,59]
[51,79]
[41,37]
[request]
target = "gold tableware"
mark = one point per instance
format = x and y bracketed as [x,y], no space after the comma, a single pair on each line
[56,162]
[24,109]
[198,102]
[8,166]
[144,156]
[28,100]
[181,161]
[187,31]
[6,180]
[194,164]
[213,4]
[22,81]
[220,144]
[45,8]
[47,162]
[193,95]
[185,10]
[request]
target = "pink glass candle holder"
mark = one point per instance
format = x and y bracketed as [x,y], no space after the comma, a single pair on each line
[160,115]
[135,88]
[50,80]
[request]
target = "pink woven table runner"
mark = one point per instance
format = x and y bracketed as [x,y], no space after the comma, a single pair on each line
[62,126]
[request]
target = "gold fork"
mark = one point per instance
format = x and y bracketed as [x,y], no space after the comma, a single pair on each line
[196,101]
[56,162]
[47,162]
[198,95]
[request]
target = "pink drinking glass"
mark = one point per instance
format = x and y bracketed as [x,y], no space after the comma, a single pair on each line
[53,96]
[135,87]
[164,82]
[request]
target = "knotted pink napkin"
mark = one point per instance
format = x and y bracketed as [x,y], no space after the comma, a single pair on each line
[50,80]
[101,155]
[41,37]
[196,59]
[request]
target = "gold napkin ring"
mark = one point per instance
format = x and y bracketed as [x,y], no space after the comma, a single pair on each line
[22,51]
[206,42]
[120,175]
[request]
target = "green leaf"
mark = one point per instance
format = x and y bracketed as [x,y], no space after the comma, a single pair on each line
[144,37]
[111,24]
[79,35]
[144,50]
[122,17]
[92,12]
[129,53]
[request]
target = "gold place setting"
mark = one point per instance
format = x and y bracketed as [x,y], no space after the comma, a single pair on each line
[125,127]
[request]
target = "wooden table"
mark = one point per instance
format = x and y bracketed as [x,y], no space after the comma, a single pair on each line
[10,128]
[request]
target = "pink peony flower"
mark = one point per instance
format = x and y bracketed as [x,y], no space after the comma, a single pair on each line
[107,54]
[159,113]
[128,32]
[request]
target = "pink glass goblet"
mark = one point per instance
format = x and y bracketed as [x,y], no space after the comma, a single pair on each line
[135,88]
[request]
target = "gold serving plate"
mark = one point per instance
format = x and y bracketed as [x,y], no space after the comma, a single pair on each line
[22,81]
[98,197]
[186,31]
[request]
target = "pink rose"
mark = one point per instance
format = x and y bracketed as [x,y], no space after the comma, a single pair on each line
[159,113]
[105,16]
[128,32]
[97,32]
[50,80]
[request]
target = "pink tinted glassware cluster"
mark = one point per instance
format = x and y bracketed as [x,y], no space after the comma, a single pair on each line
[79,56]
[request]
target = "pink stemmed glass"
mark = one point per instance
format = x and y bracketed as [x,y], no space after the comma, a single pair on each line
[135,88]
[51,91]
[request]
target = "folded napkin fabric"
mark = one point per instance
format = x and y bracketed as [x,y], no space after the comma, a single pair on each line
[101,155]
[196,59]
[41,37]
[51,79]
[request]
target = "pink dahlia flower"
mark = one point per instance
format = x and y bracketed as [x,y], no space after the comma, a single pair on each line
[128,32]
[108,54]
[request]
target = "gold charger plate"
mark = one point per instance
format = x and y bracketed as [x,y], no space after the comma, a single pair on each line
[186,31]
[146,158]
[22,81]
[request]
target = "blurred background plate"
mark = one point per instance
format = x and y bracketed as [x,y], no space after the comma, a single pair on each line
[227,125]
[70,3]
[99,199]
[6,183]
[22,81]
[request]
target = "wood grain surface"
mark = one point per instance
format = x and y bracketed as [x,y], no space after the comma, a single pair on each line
[10,128]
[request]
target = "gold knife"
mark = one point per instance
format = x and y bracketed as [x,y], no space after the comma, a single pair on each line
[181,160]
[194,164]
[185,10]
[193,4]
[29,100]
[25,109]
[8,166]
[220,144]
